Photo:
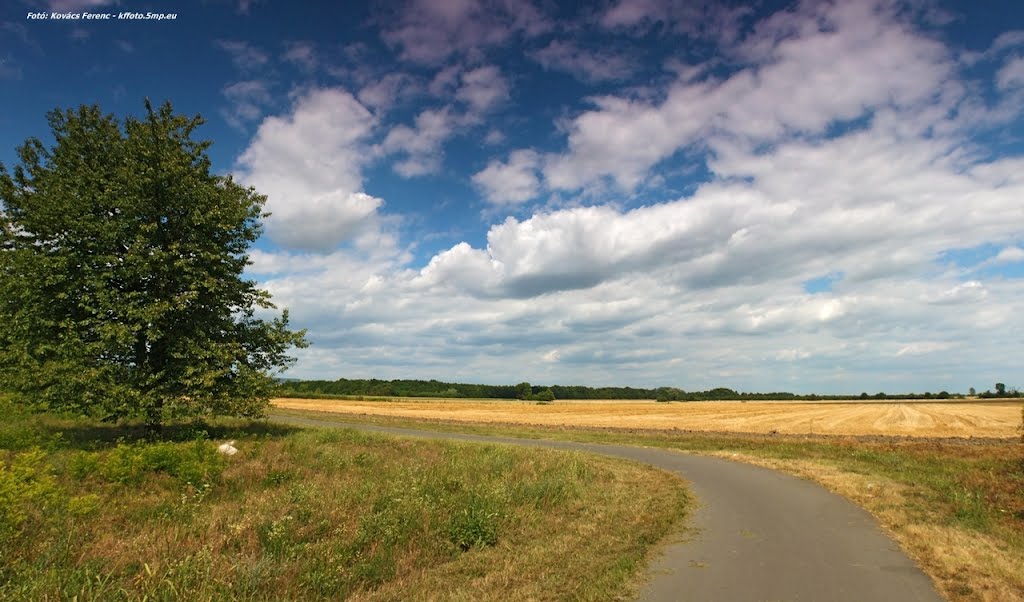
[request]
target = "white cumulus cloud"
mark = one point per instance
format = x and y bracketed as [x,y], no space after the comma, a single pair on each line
[421,144]
[309,164]
[514,181]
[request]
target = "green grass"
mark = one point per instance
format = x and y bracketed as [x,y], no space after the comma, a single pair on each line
[99,513]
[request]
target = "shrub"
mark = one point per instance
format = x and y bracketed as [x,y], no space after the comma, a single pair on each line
[26,488]
[670,394]
[195,462]
[544,396]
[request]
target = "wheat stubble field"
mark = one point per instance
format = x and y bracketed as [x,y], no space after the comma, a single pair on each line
[989,419]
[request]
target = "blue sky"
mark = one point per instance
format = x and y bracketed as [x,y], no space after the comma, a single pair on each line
[807,196]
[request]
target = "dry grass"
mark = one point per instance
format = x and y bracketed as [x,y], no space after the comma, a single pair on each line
[964,419]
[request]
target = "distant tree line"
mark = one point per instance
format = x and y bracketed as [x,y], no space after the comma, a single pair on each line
[1001,391]
[526,391]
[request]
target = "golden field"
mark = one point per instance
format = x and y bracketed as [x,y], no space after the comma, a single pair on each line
[914,419]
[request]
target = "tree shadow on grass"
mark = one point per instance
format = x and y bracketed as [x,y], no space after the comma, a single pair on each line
[95,436]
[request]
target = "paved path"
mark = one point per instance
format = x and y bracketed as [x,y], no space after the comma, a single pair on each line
[756,534]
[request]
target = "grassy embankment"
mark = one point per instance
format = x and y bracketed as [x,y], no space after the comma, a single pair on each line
[96,512]
[956,507]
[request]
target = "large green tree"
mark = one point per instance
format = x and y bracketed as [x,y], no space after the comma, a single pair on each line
[121,274]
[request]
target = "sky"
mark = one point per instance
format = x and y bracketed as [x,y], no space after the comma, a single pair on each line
[809,196]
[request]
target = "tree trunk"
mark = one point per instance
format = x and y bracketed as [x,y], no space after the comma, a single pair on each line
[155,420]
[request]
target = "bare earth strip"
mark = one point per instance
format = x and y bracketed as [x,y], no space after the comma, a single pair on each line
[998,419]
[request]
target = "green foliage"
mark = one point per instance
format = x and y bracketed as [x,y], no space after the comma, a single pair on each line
[381,389]
[543,396]
[121,274]
[969,508]
[670,394]
[1001,391]
[26,488]
[195,463]
[82,465]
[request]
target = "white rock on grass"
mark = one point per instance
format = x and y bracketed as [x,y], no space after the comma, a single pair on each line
[228,448]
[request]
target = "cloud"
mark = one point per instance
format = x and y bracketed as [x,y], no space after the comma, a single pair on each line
[969,292]
[923,347]
[482,89]
[628,13]
[552,356]
[1009,255]
[248,101]
[421,145]
[587,66]
[301,54]
[9,68]
[74,6]
[479,91]
[1006,40]
[845,63]
[1011,75]
[789,355]
[384,93]
[445,81]
[244,55]
[380,319]
[871,204]
[700,20]
[836,138]
[429,32]
[563,250]
[244,6]
[309,164]
[494,137]
[623,139]
[514,181]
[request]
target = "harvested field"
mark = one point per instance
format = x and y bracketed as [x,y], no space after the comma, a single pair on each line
[957,419]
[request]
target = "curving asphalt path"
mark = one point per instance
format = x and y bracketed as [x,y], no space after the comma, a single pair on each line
[756,534]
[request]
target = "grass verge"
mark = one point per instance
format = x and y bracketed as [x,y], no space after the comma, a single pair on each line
[96,512]
[957,507]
